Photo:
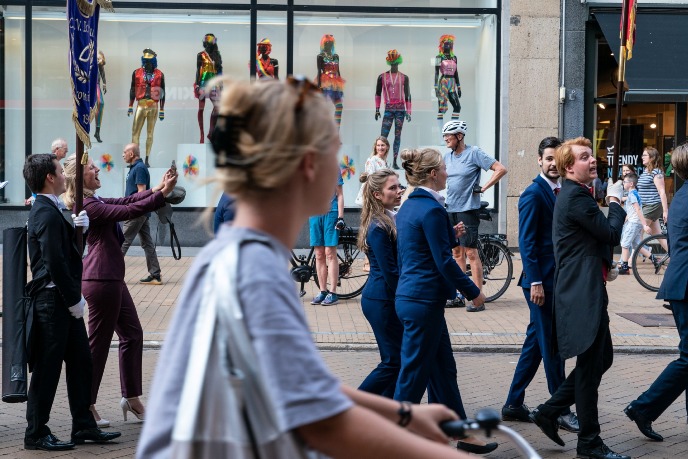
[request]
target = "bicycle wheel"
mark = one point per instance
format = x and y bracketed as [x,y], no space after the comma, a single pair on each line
[498,267]
[650,272]
[352,277]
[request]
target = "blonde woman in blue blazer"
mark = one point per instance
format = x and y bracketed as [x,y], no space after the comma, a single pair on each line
[428,277]
[378,239]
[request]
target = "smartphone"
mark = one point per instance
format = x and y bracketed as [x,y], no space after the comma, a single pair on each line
[173,167]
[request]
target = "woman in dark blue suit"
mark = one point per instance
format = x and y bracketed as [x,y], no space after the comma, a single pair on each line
[672,381]
[428,277]
[377,238]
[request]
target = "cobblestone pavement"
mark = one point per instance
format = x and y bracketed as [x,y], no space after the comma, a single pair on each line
[483,378]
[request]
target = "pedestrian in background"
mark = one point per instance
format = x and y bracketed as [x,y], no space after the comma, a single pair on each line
[110,306]
[535,213]
[376,161]
[138,180]
[674,288]
[652,192]
[377,238]
[429,277]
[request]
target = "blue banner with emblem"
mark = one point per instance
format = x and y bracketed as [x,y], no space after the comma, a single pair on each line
[82,20]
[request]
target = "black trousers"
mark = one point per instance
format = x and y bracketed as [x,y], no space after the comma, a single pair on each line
[581,386]
[58,337]
[673,381]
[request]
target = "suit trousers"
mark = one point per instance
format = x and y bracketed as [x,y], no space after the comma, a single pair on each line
[537,348]
[581,387]
[427,360]
[674,379]
[388,334]
[141,226]
[111,310]
[58,337]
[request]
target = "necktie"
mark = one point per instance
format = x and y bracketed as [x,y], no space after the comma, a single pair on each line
[556,191]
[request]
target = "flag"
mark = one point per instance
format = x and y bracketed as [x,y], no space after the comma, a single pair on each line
[82,21]
[628,41]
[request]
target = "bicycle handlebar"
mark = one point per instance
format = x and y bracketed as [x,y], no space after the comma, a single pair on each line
[486,421]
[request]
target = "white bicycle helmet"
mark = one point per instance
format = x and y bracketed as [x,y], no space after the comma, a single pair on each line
[454,127]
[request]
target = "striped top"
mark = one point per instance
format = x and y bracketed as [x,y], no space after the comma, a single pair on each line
[647,189]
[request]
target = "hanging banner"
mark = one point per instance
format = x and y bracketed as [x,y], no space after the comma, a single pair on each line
[82,20]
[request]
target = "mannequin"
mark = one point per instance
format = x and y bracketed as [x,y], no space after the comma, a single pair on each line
[148,88]
[208,65]
[100,90]
[394,86]
[329,78]
[266,67]
[447,84]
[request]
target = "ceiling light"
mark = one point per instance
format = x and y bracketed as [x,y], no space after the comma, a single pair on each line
[602,106]
[653,126]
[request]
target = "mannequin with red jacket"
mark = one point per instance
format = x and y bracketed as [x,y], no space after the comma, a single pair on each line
[148,89]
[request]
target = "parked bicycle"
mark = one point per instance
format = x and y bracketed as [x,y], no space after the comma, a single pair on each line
[494,253]
[352,276]
[649,271]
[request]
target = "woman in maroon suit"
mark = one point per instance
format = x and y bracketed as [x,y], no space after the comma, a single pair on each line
[110,307]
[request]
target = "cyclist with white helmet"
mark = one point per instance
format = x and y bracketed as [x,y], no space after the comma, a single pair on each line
[464,164]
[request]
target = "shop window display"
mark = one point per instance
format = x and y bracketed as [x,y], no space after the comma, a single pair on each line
[328,49]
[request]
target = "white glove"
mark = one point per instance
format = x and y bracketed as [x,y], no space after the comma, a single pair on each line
[81,220]
[77,311]
[615,191]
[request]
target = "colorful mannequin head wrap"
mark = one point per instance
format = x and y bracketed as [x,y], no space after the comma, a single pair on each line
[393,57]
[210,39]
[149,57]
[266,45]
[327,38]
[447,39]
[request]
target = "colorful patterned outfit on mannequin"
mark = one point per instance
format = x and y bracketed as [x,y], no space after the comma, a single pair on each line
[266,67]
[447,84]
[394,87]
[329,79]
[208,66]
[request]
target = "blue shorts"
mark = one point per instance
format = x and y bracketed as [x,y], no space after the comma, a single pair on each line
[322,230]
[631,235]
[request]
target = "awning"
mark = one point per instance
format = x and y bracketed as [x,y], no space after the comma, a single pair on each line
[658,71]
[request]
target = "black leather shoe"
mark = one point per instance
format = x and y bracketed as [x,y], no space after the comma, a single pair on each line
[548,426]
[601,452]
[644,425]
[516,413]
[569,422]
[48,443]
[476,449]
[95,435]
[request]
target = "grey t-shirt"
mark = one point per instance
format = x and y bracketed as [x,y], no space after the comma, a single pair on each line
[463,172]
[302,388]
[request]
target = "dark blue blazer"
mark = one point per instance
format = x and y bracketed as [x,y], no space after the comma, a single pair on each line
[675,283]
[384,271]
[535,213]
[425,238]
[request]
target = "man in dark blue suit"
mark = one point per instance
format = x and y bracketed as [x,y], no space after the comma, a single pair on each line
[672,381]
[583,240]
[535,212]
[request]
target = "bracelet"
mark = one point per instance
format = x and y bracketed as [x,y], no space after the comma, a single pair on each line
[404,413]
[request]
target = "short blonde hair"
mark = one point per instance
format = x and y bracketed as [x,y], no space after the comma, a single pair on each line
[679,160]
[270,124]
[419,163]
[565,157]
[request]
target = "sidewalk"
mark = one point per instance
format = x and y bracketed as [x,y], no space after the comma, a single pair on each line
[501,327]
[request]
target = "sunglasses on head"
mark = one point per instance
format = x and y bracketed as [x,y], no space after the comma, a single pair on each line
[303,86]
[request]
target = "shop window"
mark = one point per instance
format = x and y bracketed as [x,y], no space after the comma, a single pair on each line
[362,44]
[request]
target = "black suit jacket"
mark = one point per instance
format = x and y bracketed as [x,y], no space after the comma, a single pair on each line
[53,254]
[675,283]
[583,241]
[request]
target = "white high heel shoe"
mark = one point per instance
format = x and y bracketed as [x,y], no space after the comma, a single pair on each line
[100,422]
[126,406]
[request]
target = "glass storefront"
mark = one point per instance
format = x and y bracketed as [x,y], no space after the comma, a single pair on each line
[362,42]
[642,124]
